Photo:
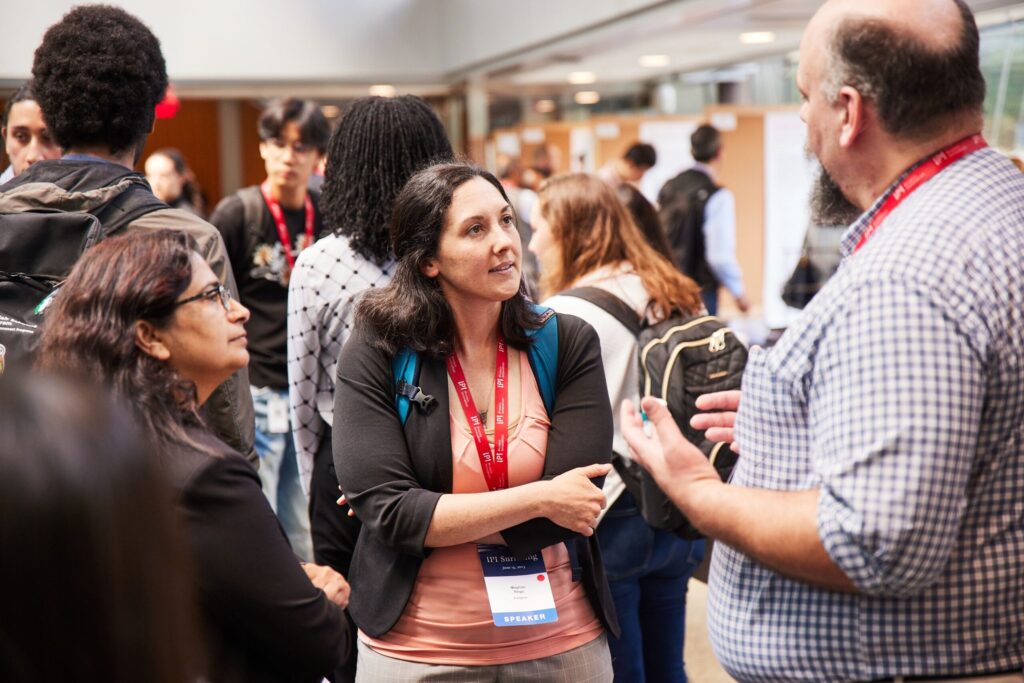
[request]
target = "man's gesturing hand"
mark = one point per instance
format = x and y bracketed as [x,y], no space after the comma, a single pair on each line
[719,424]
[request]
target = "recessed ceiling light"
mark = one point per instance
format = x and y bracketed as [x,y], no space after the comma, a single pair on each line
[587,97]
[654,61]
[382,90]
[757,37]
[544,106]
[582,77]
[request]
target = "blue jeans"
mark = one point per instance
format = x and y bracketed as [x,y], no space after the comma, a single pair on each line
[647,570]
[710,298]
[279,473]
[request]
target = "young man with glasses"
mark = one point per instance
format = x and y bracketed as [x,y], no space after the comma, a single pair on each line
[264,229]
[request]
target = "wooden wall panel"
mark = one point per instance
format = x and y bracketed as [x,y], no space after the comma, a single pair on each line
[743,173]
[253,169]
[194,132]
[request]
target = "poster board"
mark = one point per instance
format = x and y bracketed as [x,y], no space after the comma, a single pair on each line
[788,179]
[671,140]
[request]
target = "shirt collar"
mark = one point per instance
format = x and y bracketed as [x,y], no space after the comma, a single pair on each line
[704,168]
[851,238]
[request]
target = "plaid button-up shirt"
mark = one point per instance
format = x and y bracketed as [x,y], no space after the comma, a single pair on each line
[900,395]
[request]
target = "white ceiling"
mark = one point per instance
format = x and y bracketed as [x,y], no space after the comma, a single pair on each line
[694,34]
[338,47]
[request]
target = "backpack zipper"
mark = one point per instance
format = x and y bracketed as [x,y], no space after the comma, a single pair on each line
[711,341]
[661,340]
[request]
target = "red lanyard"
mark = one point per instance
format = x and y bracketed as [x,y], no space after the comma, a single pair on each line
[282,228]
[493,464]
[919,176]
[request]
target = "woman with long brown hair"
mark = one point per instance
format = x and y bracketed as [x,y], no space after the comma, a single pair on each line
[584,236]
[143,315]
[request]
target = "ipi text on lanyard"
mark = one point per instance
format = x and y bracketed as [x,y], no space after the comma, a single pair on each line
[493,462]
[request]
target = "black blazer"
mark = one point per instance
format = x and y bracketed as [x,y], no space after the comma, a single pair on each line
[263,619]
[393,477]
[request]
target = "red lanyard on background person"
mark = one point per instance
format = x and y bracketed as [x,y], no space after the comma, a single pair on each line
[494,464]
[918,177]
[282,227]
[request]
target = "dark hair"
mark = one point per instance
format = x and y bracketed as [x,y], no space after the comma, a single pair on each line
[379,143]
[189,190]
[915,88]
[641,154]
[647,219]
[99,75]
[90,330]
[705,143]
[92,558]
[411,311]
[313,126]
[176,157]
[23,94]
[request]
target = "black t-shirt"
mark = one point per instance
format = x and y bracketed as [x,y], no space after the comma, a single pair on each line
[261,271]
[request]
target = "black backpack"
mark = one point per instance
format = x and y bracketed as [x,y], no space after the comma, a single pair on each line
[682,201]
[679,358]
[38,248]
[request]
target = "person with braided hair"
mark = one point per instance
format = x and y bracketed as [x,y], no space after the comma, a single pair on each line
[379,143]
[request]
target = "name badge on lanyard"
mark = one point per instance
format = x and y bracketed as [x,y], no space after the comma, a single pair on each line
[518,591]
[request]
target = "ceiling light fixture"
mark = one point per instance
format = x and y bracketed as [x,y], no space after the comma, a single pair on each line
[382,90]
[582,77]
[757,37]
[587,97]
[654,61]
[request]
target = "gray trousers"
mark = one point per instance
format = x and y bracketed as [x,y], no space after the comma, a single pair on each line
[590,663]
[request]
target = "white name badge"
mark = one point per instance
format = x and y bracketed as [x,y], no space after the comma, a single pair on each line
[519,591]
[277,414]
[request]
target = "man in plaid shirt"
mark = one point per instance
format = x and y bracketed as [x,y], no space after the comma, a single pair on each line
[874,526]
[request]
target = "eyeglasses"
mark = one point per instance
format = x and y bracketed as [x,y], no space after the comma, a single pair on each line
[279,146]
[212,294]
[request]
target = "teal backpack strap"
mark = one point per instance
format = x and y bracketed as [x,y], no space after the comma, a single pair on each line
[543,355]
[405,367]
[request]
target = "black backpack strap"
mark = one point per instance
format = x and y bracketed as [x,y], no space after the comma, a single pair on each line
[610,304]
[134,203]
[252,212]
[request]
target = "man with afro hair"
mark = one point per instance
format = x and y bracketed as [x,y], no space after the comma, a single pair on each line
[98,76]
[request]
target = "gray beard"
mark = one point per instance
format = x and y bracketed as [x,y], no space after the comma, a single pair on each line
[829,206]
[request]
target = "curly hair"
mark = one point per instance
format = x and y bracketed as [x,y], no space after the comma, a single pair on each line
[411,311]
[379,143]
[90,332]
[98,75]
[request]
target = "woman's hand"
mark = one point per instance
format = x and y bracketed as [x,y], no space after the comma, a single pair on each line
[719,424]
[333,584]
[571,500]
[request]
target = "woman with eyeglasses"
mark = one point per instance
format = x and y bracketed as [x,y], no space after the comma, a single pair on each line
[143,315]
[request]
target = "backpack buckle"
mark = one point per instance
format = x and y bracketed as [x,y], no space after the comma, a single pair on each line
[425,402]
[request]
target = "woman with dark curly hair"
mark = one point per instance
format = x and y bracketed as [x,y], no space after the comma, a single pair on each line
[476,559]
[144,315]
[378,144]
